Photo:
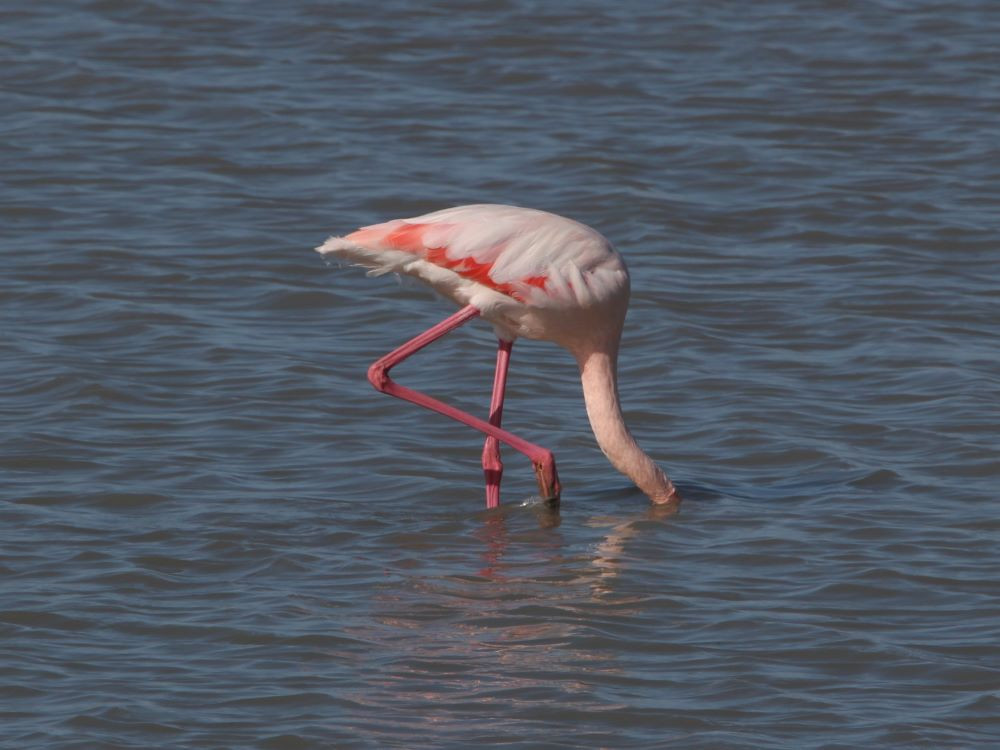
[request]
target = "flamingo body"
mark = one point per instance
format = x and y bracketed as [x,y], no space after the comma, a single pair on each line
[531,274]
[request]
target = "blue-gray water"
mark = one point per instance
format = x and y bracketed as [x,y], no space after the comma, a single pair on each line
[213,533]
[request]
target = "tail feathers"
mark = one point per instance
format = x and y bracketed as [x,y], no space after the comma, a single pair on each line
[340,247]
[377,262]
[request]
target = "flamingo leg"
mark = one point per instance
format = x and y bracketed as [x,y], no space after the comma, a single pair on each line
[492,465]
[378,375]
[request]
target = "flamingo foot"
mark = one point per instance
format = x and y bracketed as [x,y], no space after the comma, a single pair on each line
[548,479]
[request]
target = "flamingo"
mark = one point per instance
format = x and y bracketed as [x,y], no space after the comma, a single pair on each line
[530,273]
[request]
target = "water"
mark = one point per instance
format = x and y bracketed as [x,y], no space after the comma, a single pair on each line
[213,533]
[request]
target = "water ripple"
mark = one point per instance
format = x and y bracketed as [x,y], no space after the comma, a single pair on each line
[215,534]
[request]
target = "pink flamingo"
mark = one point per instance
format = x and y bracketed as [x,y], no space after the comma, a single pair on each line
[532,274]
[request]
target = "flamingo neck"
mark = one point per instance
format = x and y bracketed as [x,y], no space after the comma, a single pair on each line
[599,375]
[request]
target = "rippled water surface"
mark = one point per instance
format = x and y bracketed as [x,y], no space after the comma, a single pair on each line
[213,533]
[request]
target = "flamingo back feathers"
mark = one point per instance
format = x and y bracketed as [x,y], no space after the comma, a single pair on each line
[503,259]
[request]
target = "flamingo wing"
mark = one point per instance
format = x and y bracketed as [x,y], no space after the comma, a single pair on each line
[472,253]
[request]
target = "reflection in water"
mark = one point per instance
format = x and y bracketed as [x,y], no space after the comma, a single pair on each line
[526,630]
[608,554]
[494,532]
[494,536]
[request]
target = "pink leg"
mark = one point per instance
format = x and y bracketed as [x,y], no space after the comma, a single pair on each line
[378,375]
[492,465]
